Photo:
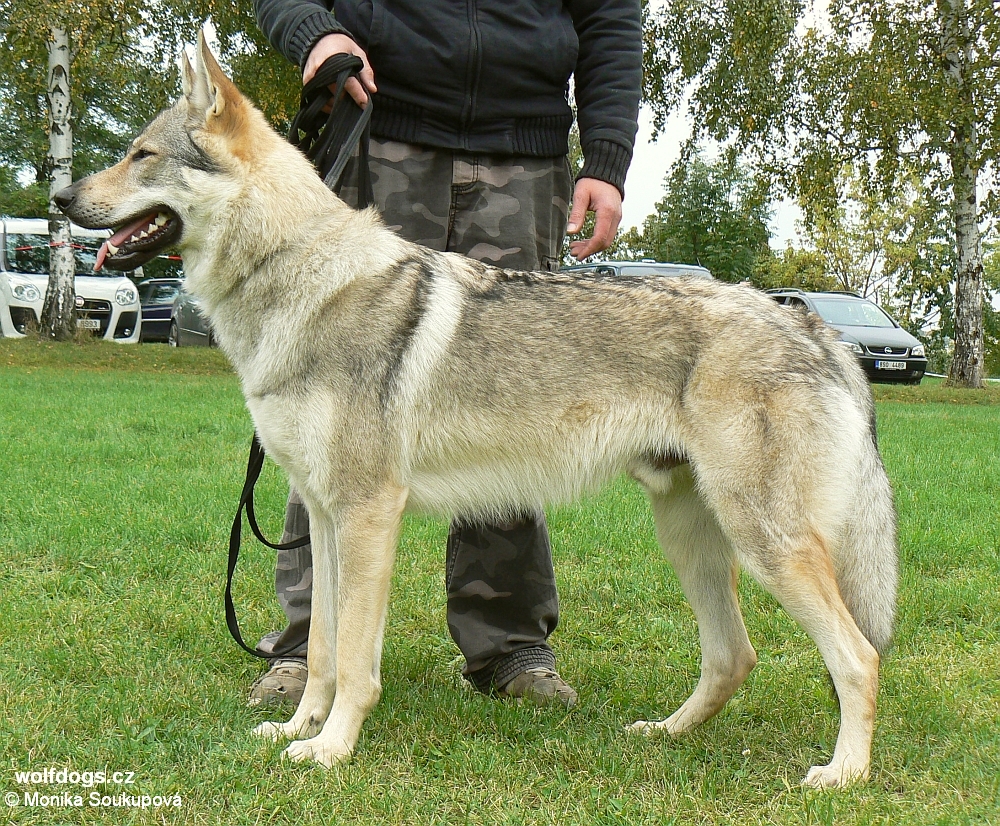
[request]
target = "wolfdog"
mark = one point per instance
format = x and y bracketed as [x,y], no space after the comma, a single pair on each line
[385,377]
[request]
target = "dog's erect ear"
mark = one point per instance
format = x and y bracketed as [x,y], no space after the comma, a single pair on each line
[187,74]
[207,89]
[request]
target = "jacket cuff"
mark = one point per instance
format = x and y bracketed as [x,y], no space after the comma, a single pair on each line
[607,161]
[312,29]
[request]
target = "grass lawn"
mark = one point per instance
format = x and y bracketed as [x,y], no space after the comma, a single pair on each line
[119,472]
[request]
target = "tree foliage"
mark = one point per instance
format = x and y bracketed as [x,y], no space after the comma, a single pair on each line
[120,51]
[793,267]
[123,70]
[258,69]
[713,214]
[895,89]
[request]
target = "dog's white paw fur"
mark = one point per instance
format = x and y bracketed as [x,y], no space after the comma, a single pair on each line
[650,728]
[270,731]
[833,776]
[318,750]
[284,731]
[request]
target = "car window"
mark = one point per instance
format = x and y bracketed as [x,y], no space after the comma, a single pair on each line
[158,293]
[656,269]
[651,269]
[638,269]
[851,312]
[28,252]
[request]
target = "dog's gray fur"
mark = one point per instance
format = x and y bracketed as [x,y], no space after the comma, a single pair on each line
[383,376]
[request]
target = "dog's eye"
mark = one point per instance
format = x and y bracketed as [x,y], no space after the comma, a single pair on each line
[142,153]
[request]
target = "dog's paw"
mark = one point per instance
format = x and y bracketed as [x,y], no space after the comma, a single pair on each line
[647,728]
[273,731]
[652,728]
[835,776]
[319,751]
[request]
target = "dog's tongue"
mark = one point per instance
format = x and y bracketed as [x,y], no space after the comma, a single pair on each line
[121,236]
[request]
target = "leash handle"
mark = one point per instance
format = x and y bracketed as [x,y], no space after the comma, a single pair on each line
[328,140]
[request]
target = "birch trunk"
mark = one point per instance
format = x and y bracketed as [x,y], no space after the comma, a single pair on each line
[59,310]
[967,359]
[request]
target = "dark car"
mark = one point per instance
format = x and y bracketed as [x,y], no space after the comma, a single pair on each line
[887,352]
[188,326]
[157,298]
[640,268]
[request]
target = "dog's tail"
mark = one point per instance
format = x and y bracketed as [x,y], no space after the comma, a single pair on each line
[867,560]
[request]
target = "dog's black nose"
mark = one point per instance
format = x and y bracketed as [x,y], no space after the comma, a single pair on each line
[64,198]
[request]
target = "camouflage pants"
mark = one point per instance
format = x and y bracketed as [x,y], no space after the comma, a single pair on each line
[511,212]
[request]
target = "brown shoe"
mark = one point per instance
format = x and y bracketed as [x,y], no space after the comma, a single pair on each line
[283,683]
[540,686]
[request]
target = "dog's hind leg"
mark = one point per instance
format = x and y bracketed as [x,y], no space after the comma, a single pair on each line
[807,588]
[793,562]
[321,684]
[706,565]
[366,536]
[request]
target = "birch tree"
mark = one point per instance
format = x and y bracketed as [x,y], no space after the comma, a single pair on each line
[83,69]
[895,88]
[958,62]
[58,319]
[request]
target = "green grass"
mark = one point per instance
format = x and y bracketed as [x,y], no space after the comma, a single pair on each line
[119,471]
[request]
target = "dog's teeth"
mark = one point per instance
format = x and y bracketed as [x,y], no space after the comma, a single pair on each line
[142,235]
[161,219]
[151,228]
[112,249]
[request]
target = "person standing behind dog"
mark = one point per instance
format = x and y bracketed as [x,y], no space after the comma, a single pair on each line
[469,154]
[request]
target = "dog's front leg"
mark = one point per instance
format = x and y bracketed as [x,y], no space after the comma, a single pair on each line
[366,537]
[321,684]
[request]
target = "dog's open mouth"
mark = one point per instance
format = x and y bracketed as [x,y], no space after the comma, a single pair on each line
[138,241]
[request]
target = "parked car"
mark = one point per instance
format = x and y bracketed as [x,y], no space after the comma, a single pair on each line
[157,298]
[188,326]
[887,352]
[106,302]
[645,267]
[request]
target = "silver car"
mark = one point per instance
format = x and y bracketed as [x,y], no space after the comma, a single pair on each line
[886,351]
[188,325]
[638,268]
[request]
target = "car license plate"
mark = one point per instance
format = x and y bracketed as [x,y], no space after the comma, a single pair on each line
[89,323]
[890,365]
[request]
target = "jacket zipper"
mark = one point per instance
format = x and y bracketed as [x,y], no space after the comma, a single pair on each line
[473,72]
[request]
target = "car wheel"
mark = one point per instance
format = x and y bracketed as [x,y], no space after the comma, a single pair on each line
[173,335]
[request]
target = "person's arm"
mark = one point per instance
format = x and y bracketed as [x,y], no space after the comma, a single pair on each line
[307,33]
[608,84]
[294,26]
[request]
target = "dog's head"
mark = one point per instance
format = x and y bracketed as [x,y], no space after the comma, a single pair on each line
[178,170]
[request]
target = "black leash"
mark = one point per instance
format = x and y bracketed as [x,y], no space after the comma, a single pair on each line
[328,140]
[329,143]
[254,466]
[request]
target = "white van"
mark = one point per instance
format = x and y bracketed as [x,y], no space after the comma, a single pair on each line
[107,302]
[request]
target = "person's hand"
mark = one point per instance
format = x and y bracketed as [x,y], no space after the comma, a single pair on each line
[333,44]
[605,201]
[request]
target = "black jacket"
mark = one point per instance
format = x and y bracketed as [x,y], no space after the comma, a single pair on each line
[488,76]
